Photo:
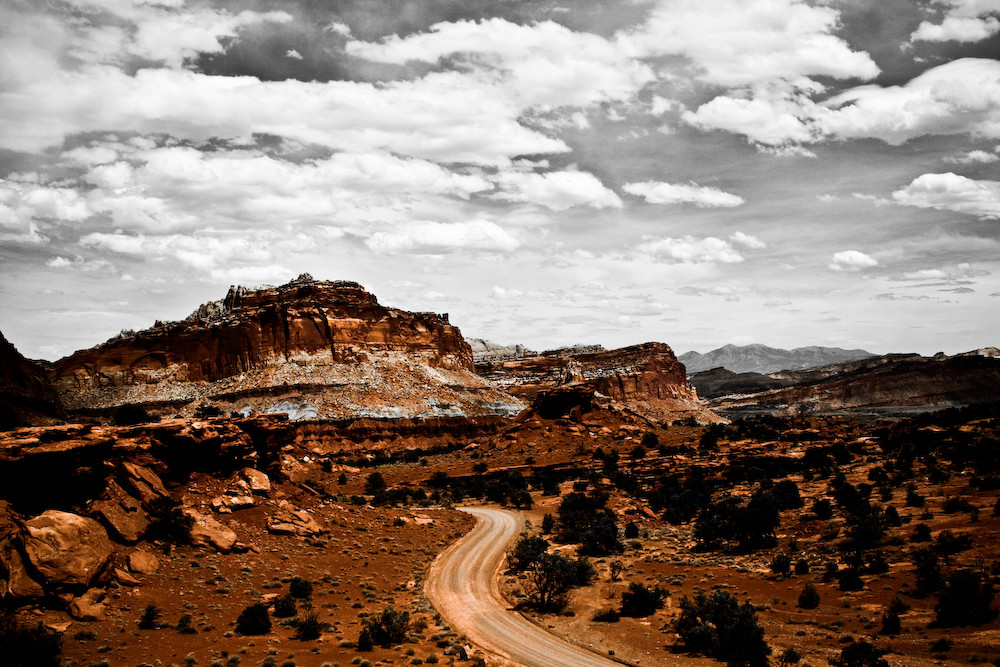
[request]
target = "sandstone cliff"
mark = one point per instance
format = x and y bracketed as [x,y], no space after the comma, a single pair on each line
[889,384]
[312,349]
[25,395]
[647,379]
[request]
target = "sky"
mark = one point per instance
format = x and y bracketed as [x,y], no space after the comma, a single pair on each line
[547,172]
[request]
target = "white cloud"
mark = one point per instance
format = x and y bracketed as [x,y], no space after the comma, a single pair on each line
[951,192]
[677,193]
[974,157]
[253,275]
[747,240]
[202,252]
[436,238]
[292,53]
[557,190]
[543,64]
[689,250]
[851,260]
[743,42]
[447,117]
[962,96]
[964,21]
[774,116]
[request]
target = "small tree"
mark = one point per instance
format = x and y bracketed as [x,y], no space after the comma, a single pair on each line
[615,568]
[385,629]
[965,600]
[150,615]
[300,588]
[719,626]
[890,624]
[374,484]
[548,523]
[781,565]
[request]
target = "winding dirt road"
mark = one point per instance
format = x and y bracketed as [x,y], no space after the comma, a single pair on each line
[463,586]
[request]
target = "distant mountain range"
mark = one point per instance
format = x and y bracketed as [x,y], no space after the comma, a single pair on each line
[763,359]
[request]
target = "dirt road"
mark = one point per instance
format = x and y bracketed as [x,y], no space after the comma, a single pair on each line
[463,586]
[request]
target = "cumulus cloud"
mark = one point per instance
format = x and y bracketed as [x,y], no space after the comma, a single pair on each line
[689,250]
[951,192]
[557,190]
[437,238]
[974,157]
[200,251]
[747,240]
[656,192]
[543,64]
[959,97]
[751,40]
[963,21]
[851,260]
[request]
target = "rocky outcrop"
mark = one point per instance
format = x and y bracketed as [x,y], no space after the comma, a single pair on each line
[646,379]
[315,349]
[893,384]
[67,548]
[25,394]
[484,351]
[207,532]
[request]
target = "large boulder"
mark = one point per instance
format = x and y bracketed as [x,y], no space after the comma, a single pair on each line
[143,562]
[122,513]
[256,480]
[14,578]
[89,606]
[67,548]
[206,531]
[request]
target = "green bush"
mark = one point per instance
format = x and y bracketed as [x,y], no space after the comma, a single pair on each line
[254,620]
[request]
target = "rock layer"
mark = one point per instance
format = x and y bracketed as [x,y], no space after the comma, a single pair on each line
[311,349]
[647,379]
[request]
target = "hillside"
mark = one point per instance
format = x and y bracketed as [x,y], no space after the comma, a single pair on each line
[763,359]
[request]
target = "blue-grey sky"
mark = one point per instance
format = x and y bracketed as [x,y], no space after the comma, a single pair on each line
[698,173]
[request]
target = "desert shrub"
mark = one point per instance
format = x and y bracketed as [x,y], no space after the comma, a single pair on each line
[184,626]
[548,578]
[822,508]
[584,571]
[898,606]
[284,607]
[927,571]
[24,646]
[548,523]
[387,628]
[721,627]
[786,494]
[849,579]
[615,568]
[860,654]
[150,615]
[309,627]
[640,601]
[781,565]
[955,504]
[914,499]
[801,566]
[631,531]
[254,620]
[790,656]
[809,597]
[965,599]
[830,571]
[948,544]
[168,521]
[638,452]
[300,588]
[890,624]
[584,519]
[921,533]
[650,440]
[606,616]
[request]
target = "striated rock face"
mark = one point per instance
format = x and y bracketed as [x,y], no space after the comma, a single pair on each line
[647,379]
[889,384]
[312,349]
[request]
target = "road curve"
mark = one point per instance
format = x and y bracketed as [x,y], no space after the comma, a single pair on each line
[463,586]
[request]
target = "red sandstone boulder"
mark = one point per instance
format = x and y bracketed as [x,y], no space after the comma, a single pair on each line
[206,531]
[67,548]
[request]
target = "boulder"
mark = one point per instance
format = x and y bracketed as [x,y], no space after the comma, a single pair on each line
[88,607]
[67,548]
[143,562]
[206,531]
[287,520]
[122,513]
[146,483]
[257,481]
[226,504]
[125,578]
[14,578]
